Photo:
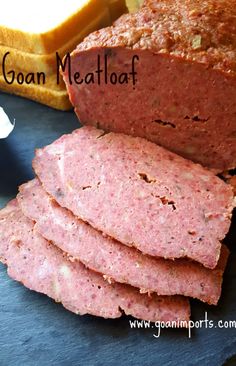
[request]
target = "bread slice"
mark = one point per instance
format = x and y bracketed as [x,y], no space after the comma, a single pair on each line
[117,8]
[44,27]
[50,93]
[31,62]
[34,52]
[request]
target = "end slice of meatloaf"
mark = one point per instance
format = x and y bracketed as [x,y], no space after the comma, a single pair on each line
[184,93]
[138,193]
[42,267]
[116,261]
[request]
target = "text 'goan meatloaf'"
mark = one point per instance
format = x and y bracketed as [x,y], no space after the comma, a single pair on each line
[42,267]
[138,193]
[167,73]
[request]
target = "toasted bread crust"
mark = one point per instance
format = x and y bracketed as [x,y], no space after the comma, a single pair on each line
[31,62]
[50,93]
[54,39]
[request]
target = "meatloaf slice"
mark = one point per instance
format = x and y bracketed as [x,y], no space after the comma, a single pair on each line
[42,267]
[117,261]
[184,96]
[138,193]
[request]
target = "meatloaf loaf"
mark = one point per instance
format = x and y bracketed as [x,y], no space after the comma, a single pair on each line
[167,73]
[116,261]
[42,267]
[138,193]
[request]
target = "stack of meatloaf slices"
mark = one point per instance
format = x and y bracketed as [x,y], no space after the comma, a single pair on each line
[115,224]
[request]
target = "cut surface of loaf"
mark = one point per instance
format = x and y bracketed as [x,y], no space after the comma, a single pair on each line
[184,97]
[42,267]
[138,193]
[45,27]
[116,261]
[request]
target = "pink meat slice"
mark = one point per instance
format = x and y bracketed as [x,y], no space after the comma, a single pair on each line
[115,260]
[42,267]
[138,193]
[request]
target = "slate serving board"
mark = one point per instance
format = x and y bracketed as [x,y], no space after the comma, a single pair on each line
[36,331]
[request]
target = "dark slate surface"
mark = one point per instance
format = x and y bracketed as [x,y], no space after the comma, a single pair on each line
[36,331]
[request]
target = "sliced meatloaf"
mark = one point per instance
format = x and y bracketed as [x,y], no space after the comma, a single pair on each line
[138,193]
[42,267]
[166,73]
[115,260]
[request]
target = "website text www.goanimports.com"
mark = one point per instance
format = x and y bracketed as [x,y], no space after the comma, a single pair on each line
[159,326]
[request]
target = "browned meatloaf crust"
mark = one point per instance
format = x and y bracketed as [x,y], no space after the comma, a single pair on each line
[42,267]
[185,92]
